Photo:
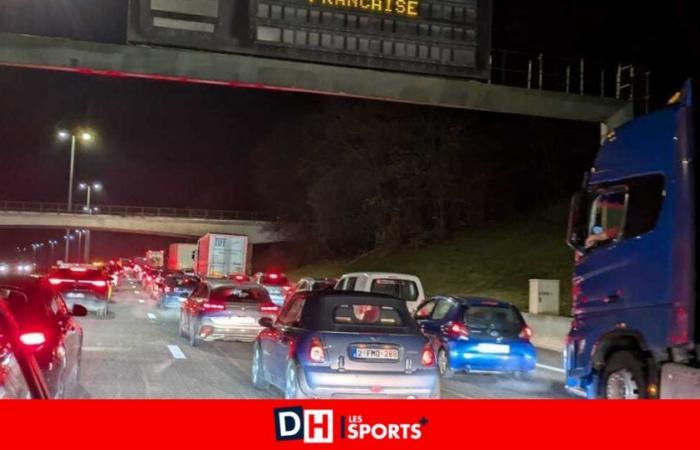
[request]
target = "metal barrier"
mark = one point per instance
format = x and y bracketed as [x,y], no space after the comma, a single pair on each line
[573,76]
[139,211]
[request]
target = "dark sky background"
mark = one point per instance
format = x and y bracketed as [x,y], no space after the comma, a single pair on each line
[169,144]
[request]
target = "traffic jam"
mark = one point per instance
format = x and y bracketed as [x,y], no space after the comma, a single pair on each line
[360,335]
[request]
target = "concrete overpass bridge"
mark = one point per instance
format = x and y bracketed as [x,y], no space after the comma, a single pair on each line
[174,222]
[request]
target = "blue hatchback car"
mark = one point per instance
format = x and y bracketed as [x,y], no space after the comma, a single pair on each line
[477,335]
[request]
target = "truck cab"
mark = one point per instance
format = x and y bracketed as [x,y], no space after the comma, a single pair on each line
[632,228]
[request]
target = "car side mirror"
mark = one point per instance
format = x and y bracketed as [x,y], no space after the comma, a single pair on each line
[79,311]
[265,322]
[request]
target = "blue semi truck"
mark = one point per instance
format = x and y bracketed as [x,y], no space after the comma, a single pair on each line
[635,331]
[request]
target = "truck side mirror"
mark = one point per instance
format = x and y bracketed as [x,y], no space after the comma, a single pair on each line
[576,229]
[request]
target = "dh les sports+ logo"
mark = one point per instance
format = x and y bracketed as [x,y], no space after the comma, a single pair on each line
[317,426]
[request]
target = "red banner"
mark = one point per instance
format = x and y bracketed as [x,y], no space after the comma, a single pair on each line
[264,424]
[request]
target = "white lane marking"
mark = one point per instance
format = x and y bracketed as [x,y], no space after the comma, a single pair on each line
[142,300]
[176,352]
[88,348]
[552,368]
[151,316]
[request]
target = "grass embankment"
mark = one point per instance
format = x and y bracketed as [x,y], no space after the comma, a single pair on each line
[496,261]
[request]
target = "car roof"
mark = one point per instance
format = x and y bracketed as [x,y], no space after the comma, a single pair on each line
[380,274]
[20,282]
[472,300]
[215,284]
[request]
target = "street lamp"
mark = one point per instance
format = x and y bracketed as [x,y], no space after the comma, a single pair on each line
[53,244]
[80,234]
[89,187]
[84,136]
[36,248]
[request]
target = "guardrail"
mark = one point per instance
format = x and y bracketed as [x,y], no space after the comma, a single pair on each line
[138,211]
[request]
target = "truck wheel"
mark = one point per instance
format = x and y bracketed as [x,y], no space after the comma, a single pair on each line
[624,377]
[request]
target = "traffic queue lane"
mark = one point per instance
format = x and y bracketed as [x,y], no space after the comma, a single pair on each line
[136,352]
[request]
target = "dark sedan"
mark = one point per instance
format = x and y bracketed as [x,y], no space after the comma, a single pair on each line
[47,329]
[20,375]
[175,290]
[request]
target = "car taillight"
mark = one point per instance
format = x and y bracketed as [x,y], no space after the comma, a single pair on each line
[286,288]
[32,339]
[239,278]
[54,281]
[213,306]
[269,309]
[427,357]
[457,330]
[525,333]
[316,352]
[99,283]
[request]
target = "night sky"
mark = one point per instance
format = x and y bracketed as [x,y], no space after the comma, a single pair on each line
[167,144]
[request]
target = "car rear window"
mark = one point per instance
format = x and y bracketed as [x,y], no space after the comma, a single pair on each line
[403,289]
[493,318]
[274,279]
[232,294]
[77,274]
[360,314]
[322,285]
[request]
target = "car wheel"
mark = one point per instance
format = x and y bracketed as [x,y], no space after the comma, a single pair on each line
[523,376]
[257,373]
[291,381]
[624,377]
[181,330]
[444,366]
[193,334]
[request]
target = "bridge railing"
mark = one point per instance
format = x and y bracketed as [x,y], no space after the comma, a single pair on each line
[573,76]
[134,211]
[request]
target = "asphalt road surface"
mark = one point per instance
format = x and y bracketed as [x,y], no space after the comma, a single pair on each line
[137,353]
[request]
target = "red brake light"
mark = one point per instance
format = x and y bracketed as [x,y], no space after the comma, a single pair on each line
[525,333]
[457,330]
[78,269]
[273,276]
[286,288]
[427,357]
[54,281]
[316,352]
[239,278]
[99,283]
[34,338]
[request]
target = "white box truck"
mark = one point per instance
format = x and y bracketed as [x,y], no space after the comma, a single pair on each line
[220,255]
[181,256]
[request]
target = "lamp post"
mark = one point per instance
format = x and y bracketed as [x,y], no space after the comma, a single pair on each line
[52,244]
[80,234]
[68,237]
[84,137]
[89,188]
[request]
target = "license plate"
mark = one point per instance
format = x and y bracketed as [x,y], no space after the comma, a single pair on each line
[493,348]
[390,354]
[234,320]
[75,295]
